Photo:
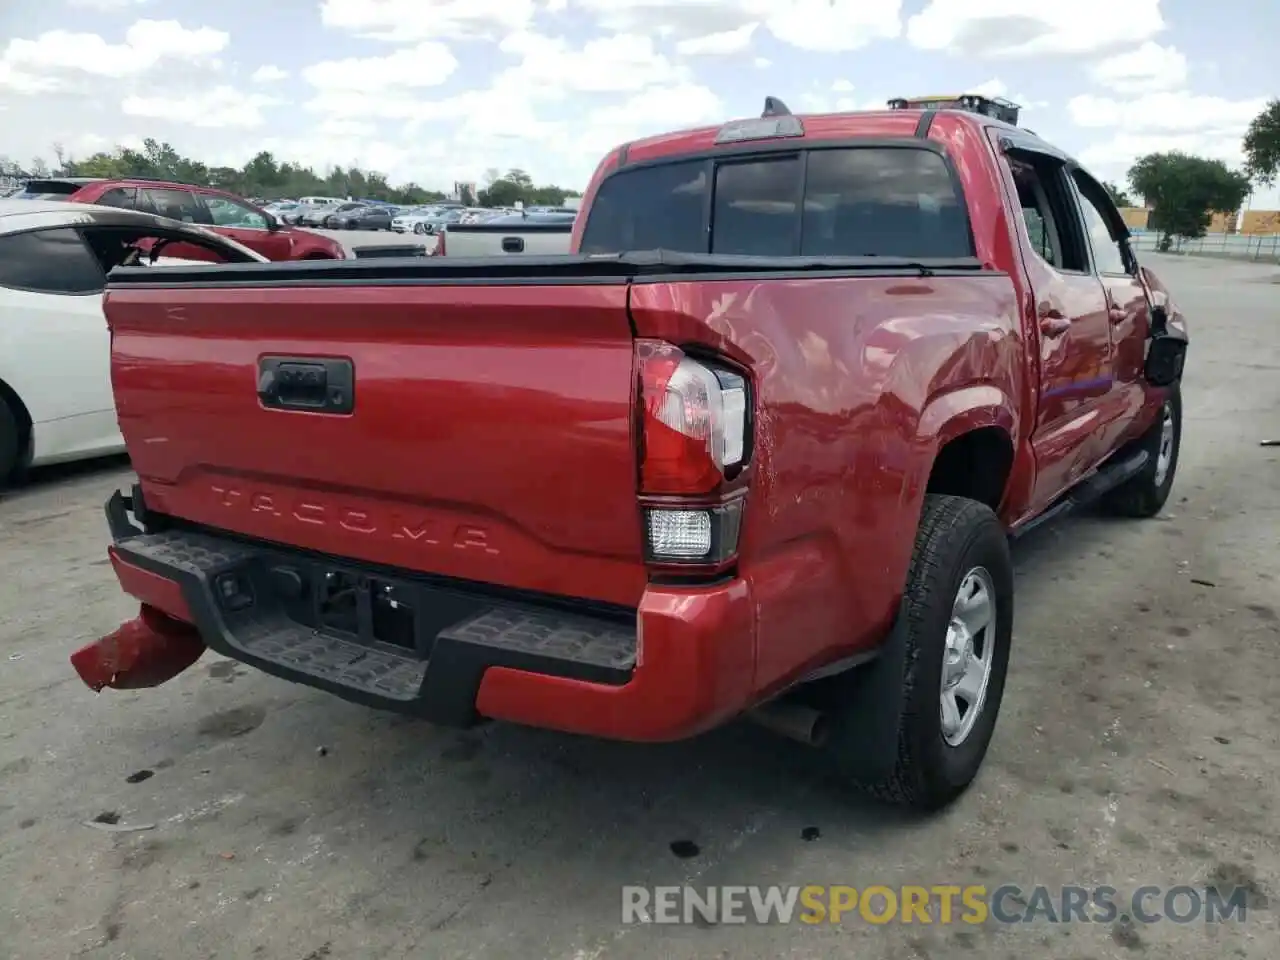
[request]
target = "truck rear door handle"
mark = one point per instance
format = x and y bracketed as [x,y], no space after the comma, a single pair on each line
[1054,325]
[513,244]
[316,384]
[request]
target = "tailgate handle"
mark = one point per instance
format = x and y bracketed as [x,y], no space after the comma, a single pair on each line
[316,384]
[513,244]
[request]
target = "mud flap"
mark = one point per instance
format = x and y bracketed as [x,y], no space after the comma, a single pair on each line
[147,651]
[864,734]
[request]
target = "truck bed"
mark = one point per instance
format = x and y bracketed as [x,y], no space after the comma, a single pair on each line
[486,429]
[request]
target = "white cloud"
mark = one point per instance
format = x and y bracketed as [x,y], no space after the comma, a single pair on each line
[411,20]
[762,62]
[719,44]
[1166,112]
[428,64]
[269,73]
[1118,152]
[1147,68]
[842,86]
[828,25]
[219,107]
[1025,28]
[39,64]
[106,6]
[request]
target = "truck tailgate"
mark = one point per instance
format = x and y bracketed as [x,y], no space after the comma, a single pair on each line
[489,435]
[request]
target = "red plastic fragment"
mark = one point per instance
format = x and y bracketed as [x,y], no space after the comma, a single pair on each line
[147,651]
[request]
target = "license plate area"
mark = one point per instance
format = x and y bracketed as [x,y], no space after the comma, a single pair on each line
[374,610]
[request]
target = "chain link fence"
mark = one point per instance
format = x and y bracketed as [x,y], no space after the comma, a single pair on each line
[1264,248]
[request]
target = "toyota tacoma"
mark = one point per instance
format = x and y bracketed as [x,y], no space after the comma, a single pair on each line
[756,447]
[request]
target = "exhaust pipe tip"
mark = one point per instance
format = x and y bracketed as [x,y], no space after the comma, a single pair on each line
[794,721]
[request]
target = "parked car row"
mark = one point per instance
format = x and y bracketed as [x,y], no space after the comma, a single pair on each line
[258,228]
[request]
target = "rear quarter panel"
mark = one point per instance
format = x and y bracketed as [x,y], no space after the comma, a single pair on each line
[857,382]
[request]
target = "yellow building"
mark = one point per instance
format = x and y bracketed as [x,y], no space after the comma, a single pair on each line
[1135,218]
[1261,222]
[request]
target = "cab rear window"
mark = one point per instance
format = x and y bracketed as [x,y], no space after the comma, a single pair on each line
[846,202]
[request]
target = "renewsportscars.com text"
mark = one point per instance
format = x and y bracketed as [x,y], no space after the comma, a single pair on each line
[938,904]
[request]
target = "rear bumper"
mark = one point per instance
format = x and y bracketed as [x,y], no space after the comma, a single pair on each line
[678,665]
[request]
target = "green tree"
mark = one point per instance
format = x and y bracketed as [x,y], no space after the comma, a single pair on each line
[270,178]
[1185,191]
[1262,146]
[1118,196]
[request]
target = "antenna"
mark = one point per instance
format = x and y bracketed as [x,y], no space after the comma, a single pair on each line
[773,107]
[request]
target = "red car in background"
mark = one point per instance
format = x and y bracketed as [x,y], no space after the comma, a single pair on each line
[217,210]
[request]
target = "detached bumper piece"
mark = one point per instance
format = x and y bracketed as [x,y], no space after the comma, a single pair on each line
[147,651]
[385,639]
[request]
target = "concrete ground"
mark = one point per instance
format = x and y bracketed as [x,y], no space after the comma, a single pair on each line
[1137,746]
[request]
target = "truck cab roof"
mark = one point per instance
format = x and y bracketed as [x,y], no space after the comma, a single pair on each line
[889,123]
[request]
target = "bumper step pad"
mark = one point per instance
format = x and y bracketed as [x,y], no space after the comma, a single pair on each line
[463,632]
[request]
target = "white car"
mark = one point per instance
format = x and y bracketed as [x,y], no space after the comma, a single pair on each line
[55,348]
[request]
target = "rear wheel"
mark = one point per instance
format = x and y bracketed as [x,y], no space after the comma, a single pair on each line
[1144,494]
[957,627]
[10,442]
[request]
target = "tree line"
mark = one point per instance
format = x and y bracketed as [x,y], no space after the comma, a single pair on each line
[267,178]
[1182,191]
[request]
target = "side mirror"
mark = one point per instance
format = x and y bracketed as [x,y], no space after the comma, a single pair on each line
[273,224]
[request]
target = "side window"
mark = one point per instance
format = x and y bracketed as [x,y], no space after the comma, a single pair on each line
[1107,254]
[49,261]
[1049,213]
[178,205]
[874,201]
[227,213]
[649,208]
[756,211]
[123,197]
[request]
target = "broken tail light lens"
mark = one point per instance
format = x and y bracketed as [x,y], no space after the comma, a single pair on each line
[693,421]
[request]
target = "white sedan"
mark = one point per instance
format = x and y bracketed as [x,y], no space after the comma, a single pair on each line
[55,349]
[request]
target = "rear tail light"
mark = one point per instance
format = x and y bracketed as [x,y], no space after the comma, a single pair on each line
[694,435]
[693,421]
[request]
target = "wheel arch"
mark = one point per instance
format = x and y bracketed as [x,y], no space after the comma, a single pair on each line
[970,432]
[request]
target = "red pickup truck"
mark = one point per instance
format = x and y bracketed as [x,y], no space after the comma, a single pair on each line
[755,448]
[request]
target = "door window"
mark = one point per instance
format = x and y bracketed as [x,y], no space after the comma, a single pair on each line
[49,261]
[1048,213]
[177,205]
[123,197]
[1108,255]
[228,213]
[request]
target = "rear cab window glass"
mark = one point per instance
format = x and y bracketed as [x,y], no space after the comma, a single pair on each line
[839,202]
[650,208]
[49,261]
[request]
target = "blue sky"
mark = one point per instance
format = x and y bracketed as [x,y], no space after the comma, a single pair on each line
[440,90]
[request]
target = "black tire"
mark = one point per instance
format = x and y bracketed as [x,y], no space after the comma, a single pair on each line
[10,440]
[1144,494]
[956,537]
[420,228]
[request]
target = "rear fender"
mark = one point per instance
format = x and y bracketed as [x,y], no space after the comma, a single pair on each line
[955,413]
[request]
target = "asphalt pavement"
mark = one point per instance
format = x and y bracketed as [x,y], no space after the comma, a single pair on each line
[1137,746]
